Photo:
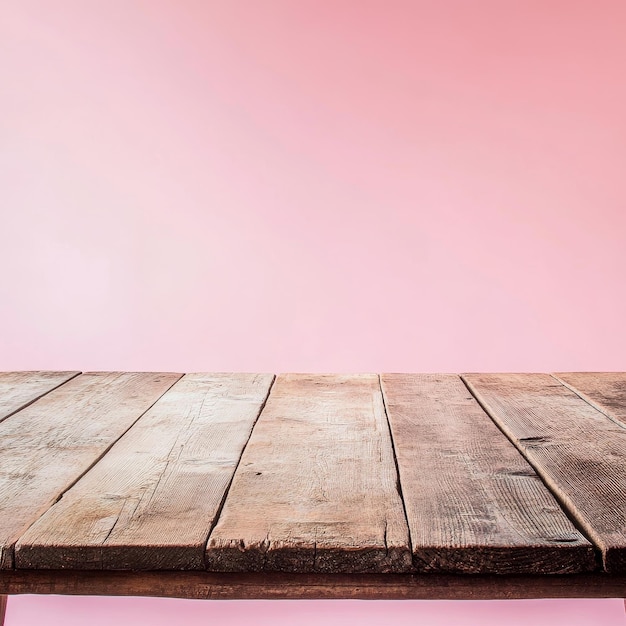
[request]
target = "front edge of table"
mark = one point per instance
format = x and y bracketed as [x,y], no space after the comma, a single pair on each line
[207,585]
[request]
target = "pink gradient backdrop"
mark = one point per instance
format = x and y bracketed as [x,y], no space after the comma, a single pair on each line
[313,186]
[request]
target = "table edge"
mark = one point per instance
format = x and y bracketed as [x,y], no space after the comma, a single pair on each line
[211,585]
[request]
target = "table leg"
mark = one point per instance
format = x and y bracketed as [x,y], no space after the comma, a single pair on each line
[3,608]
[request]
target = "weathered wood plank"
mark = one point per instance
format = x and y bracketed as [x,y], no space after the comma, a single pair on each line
[316,486]
[19,389]
[152,500]
[48,445]
[274,585]
[579,453]
[606,391]
[473,503]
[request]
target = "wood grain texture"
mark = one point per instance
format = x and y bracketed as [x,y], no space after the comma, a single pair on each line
[19,389]
[152,500]
[275,586]
[578,451]
[473,503]
[48,445]
[3,609]
[606,391]
[316,486]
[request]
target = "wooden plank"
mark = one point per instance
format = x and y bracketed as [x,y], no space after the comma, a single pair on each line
[19,389]
[48,445]
[3,609]
[151,502]
[606,391]
[579,453]
[473,503]
[316,486]
[276,585]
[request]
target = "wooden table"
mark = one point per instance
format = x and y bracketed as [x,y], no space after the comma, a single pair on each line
[313,485]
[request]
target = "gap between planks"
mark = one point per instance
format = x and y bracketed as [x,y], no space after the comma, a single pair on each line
[395,460]
[18,390]
[566,510]
[38,465]
[97,460]
[575,449]
[319,473]
[586,396]
[473,503]
[150,501]
[230,482]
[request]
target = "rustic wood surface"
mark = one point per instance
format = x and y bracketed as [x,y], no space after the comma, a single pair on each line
[48,445]
[316,486]
[152,500]
[577,450]
[306,486]
[473,502]
[19,389]
[606,391]
[278,585]
[3,608]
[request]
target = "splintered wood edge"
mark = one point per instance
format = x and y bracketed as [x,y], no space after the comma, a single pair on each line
[266,585]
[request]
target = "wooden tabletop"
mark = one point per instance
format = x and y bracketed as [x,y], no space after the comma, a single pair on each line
[313,485]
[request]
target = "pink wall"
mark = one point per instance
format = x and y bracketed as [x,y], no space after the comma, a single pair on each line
[299,185]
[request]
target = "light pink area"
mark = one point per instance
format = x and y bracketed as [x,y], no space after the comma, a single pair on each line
[430,186]
[78,611]
[314,186]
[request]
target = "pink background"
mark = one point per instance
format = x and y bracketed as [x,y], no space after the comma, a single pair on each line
[301,185]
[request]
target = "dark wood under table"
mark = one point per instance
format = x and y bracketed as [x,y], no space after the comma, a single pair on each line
[231,485]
